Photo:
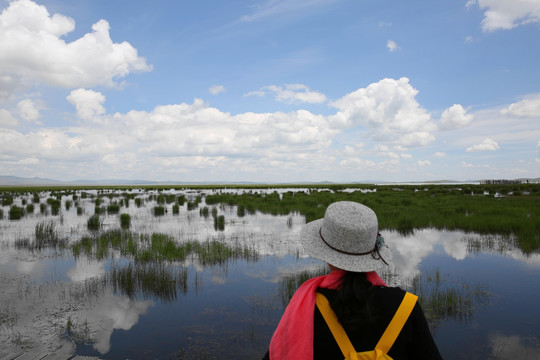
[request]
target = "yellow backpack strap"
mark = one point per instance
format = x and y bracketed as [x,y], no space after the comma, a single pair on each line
[335,327]
[398,321]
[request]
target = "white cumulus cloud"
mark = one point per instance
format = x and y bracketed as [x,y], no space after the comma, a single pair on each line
[455,117]
[291,93]
[28,110]
[389,110]
[32,49]
[529,107]
[88,103]
[486,145]
[507,14]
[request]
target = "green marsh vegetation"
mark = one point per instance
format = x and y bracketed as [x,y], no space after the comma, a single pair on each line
[157,247]
[289,283]
[7,200]
[159,210]
[442,299]
[94,222]
[29,208]
[156,265]
[125,221]
[46,236]
[16,212]
[113,208]
[471,208]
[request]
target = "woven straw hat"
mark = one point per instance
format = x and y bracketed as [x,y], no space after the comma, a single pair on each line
[347,238]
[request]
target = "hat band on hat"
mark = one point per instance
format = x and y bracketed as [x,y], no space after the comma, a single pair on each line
[372,252]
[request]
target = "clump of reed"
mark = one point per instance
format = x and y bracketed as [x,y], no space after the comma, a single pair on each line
[42,208]
[241,211]
[113,208]
[99,210]
[442,300]
[176,209]
[125,221]
[94,222]
[194,204]
[204,211]
[30,208]
[219,223]
[219,220]
[181,199]
[291,282]
[166,199]
[46,236]
[80,210]
[16,212]
[7,200]
[139,202]
[155,281]
[159,210]
[1,214]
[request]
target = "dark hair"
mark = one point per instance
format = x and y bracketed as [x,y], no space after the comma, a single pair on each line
[353,305]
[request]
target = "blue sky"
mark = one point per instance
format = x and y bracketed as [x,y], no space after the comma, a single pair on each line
[270,91]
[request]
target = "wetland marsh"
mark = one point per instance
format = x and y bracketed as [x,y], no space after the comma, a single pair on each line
[205,272]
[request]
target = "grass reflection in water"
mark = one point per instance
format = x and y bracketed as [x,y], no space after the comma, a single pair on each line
[441,300]
[157,267]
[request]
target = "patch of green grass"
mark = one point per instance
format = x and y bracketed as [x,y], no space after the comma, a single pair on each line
[30,208]
[16,212]
[441,299]
[7,200]
[219,223]
[291,282]
[94,222]
[204,211]
[159,210]
[159,248]
[113,208]
[125,221]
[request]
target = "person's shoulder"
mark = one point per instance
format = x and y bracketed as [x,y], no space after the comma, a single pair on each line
[390,291]
[392,296]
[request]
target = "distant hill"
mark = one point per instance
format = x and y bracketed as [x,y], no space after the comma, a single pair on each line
[35,181]
[19,181]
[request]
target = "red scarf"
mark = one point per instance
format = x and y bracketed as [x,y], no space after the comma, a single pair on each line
[293,338]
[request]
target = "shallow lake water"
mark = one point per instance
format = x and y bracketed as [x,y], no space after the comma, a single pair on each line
[228,309]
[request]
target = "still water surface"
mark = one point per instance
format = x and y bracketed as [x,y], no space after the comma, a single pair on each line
[52,301]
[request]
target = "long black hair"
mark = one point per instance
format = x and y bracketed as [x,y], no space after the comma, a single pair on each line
[353,305]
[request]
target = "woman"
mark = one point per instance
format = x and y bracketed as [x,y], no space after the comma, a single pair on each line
[350,313]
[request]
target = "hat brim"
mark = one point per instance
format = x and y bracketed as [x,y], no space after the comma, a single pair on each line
[316,248]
